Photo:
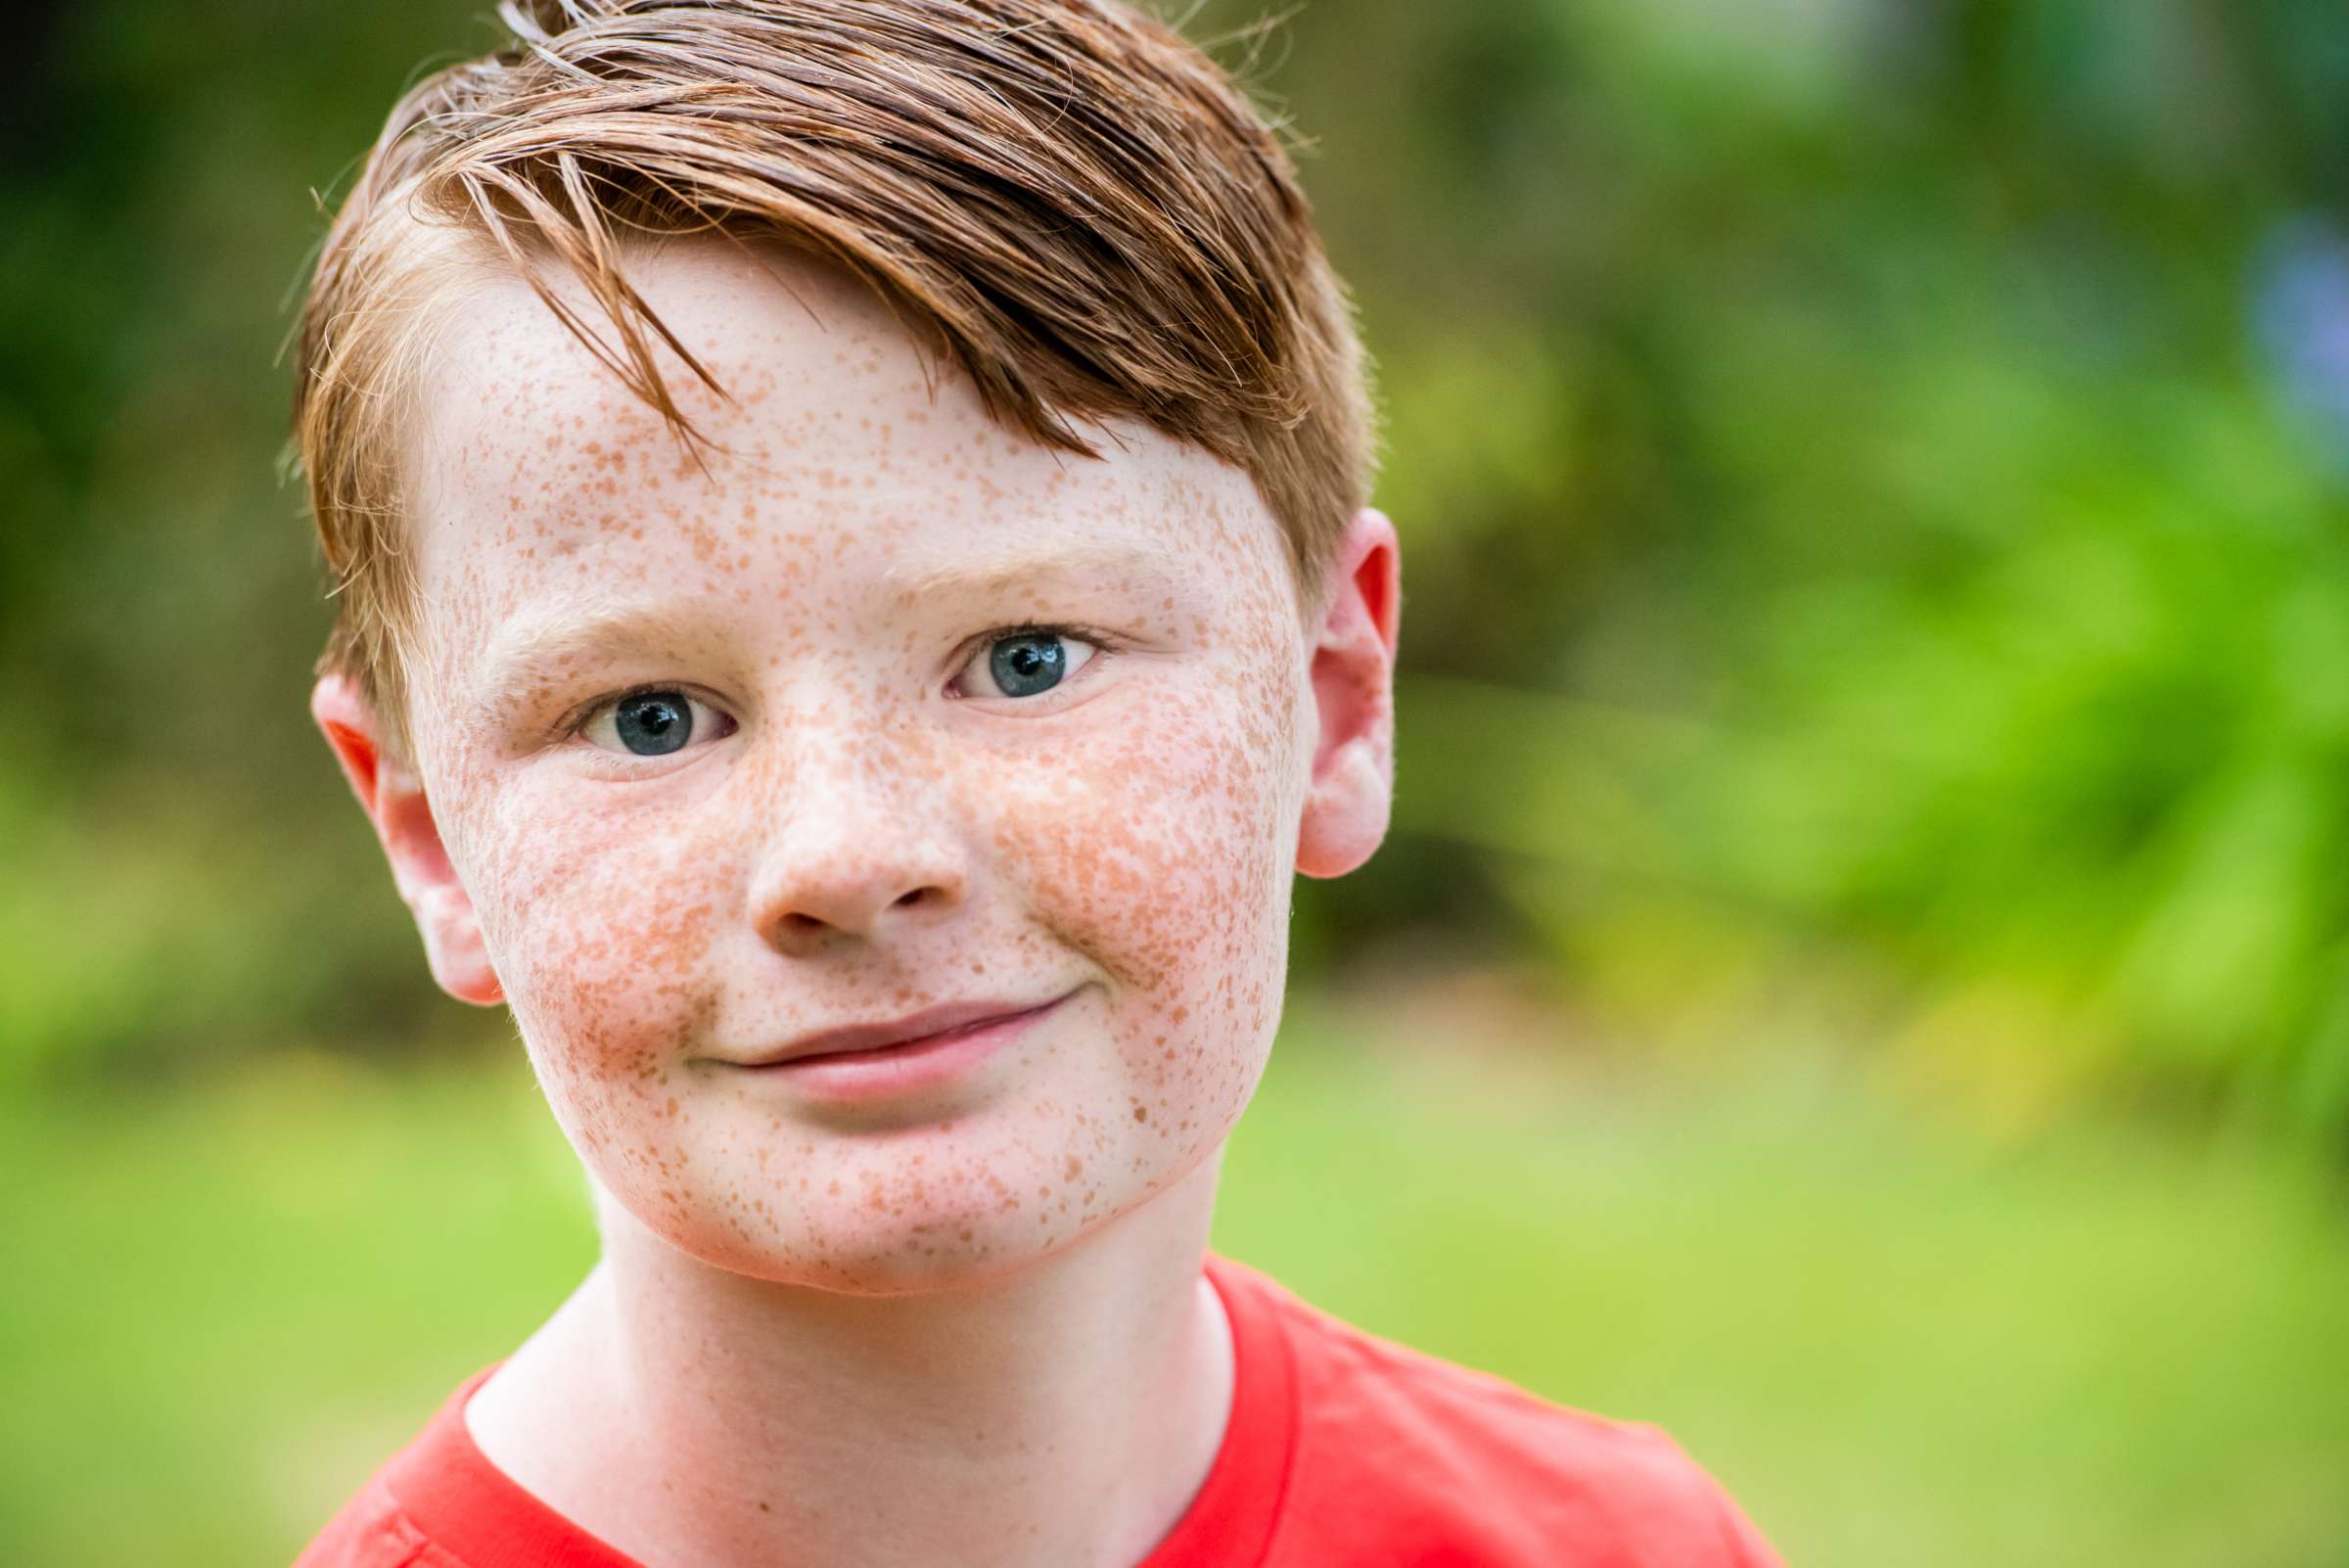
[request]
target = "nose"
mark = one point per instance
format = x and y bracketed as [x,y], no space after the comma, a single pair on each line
[859,844]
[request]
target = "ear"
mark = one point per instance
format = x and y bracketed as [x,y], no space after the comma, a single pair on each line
[1354,693]
[393,800]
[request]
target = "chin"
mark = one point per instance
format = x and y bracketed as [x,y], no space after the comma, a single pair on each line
[856,1245]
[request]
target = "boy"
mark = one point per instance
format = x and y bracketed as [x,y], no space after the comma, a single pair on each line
[856,598]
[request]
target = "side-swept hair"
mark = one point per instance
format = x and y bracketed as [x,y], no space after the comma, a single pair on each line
[1074,205]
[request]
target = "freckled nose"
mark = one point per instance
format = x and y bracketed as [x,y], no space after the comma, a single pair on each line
[851,856]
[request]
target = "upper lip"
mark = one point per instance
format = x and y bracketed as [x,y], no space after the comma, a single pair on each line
[930,1021]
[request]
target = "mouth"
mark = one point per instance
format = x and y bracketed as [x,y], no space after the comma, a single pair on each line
[930,1028]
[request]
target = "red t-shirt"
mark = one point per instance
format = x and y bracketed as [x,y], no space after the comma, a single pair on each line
[1341,1450]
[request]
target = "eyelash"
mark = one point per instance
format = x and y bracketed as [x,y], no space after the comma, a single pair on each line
[576,724]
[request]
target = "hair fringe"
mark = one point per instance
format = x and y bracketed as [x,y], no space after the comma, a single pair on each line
[1064,199]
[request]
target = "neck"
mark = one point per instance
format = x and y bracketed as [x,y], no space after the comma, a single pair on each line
[1064,1414]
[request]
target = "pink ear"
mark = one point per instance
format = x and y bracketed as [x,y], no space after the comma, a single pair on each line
[395,802]
[1353,780]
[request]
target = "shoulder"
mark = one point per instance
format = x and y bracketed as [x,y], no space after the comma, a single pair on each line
[1395,1446]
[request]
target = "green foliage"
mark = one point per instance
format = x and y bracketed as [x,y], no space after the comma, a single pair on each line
[1855,550]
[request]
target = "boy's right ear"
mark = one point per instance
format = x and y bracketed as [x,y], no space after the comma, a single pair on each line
[392,796]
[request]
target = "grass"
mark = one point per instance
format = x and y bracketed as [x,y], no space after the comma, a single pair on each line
[1894,1343]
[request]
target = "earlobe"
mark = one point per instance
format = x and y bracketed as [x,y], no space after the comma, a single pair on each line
[1351,787]
[393,798]
[453,947]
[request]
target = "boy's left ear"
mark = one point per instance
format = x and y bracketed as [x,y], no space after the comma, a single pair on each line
[1354,693]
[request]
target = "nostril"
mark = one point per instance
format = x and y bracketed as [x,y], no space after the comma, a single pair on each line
[851,901]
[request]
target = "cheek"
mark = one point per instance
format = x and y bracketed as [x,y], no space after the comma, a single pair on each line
[600,931]
[1160,847]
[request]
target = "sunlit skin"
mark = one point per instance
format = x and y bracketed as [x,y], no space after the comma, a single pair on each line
[960,1322]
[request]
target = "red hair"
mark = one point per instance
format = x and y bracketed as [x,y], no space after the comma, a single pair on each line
[1074,205]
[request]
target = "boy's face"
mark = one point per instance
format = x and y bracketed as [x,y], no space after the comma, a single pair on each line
[891,711]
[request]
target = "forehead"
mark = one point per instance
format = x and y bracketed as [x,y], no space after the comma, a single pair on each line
[845,449]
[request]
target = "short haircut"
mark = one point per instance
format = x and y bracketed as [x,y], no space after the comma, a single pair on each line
[1074,205]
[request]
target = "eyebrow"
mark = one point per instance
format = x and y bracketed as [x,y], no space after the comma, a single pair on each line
[1122,565]
[544,646]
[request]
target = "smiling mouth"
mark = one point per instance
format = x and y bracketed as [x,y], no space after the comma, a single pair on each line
[936,1030]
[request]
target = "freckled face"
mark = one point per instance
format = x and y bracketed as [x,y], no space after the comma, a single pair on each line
[849,786]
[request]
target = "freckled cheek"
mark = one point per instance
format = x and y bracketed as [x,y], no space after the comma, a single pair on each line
[1158,846]
[602,943]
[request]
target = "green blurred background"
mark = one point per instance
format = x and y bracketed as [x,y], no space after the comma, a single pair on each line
[1860,975]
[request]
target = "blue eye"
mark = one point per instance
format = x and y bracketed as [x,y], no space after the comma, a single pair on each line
[1028,663]
[1025,666]
[654,725]
[651,724]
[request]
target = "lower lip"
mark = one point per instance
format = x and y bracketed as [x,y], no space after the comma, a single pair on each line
[907,1068]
